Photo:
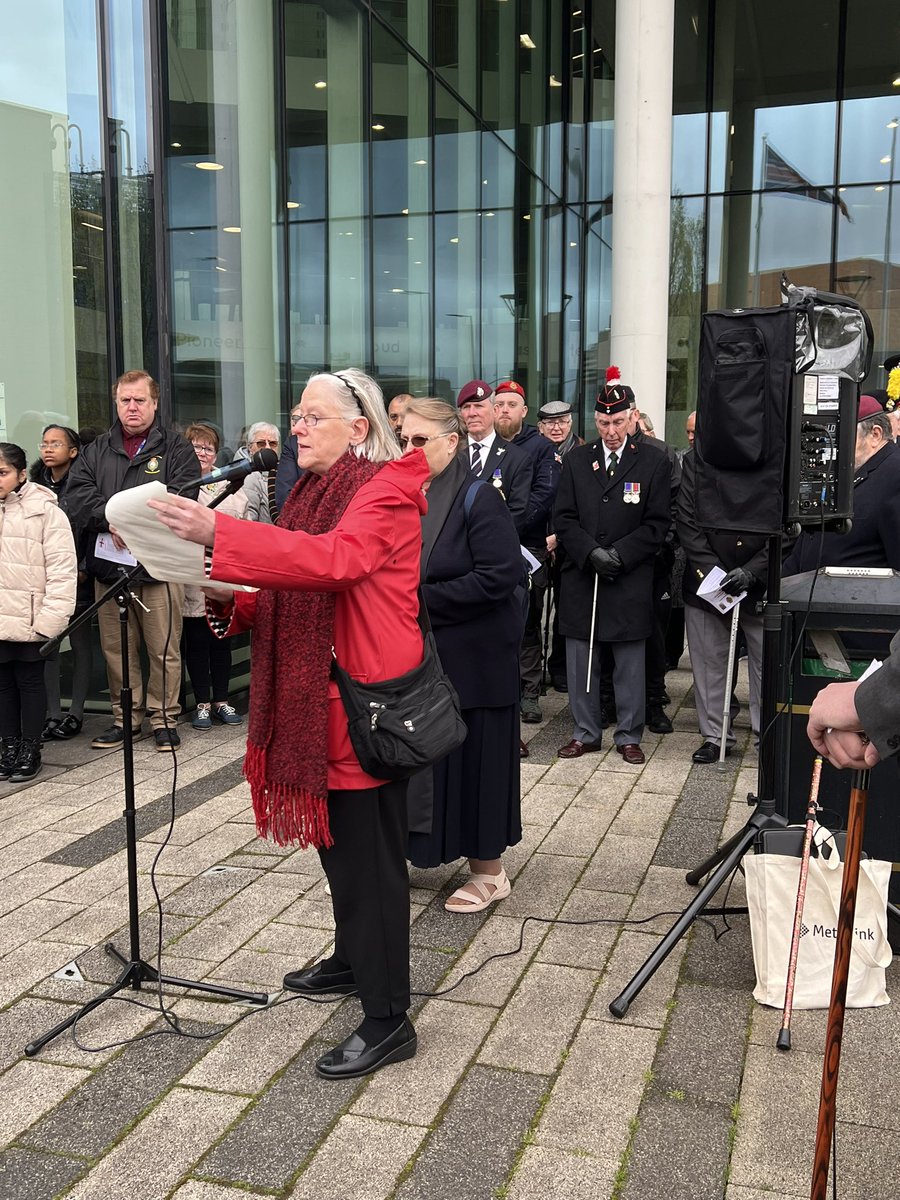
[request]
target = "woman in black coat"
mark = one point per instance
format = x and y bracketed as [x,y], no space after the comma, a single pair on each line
[473,587]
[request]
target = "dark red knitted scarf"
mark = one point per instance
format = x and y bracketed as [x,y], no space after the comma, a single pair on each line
[286,763]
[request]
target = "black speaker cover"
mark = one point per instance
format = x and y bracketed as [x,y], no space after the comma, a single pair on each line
[746,367]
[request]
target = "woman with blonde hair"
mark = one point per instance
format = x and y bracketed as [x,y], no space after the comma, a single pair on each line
[338,573]
[473,589]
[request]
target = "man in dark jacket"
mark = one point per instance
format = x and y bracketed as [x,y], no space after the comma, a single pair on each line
[136,450]
[504,466]
[555,424]
[874,537]
[612,512]
[510,410]
[743,556]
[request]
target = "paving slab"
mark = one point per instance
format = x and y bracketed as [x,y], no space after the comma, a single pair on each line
[269,1145]
[578,831]
[544,1172]
[27,1175]
[538,1021]
[643,814]
[620,864]
[467,1155]
[598,1091]
[450,1034]
[676,1140]
[703,1051]
[650,1007]
[543,886]
[29,1090]
[183,1122]
[545,803]
[360,1160]
[585,945]
[493,982]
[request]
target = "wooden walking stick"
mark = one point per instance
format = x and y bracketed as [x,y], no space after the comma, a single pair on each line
[812,807]
[856,822]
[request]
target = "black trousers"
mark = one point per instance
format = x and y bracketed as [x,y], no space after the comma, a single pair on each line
[208,659]
[366,869]
[23,699]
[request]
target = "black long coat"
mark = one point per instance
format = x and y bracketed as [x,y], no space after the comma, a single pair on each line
[591,511]
[471,581]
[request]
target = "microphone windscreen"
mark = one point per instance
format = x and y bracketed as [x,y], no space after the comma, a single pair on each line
[264,460]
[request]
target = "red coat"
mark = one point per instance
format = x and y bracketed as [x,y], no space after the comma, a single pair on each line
[371,560]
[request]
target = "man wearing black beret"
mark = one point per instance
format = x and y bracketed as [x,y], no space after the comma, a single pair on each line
[611,515]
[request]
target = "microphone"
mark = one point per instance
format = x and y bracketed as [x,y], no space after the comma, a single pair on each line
[262,460]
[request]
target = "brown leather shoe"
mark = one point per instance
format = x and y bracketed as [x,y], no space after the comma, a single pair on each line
[575,749]
[632,753]
[523,749]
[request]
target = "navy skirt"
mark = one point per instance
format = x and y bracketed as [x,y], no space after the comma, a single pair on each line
[477,794]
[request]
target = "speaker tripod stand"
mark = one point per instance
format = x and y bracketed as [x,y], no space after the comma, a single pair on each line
[136,971]
[765,814]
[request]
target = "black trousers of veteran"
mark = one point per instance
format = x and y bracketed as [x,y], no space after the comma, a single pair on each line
[366,870]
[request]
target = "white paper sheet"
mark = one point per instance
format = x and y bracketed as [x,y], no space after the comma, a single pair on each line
[711,591]
[156,548]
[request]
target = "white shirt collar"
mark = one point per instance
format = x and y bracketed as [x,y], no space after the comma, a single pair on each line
[619,453]
[484,442]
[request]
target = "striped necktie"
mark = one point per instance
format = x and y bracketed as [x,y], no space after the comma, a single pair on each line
[476,464]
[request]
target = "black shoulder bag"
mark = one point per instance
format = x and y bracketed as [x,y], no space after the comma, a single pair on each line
[400,726]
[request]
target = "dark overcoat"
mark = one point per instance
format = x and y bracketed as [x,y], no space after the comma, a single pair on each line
[471,581]
[513,469]
[591,511]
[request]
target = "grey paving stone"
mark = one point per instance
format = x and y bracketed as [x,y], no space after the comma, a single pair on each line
[208,892]
[687,843]
[26,1175]
[620,864]
[543,1172]
[495,978]
[95,847]
[705,795]
[360,1160]
[727,962]
[267,1147]
[735,1192]
[678,1140]
[450,1035]
[867,1159]
[543,886]
[651,1005]
[94,1116]
[468,1155]
[578,831]
[598,1091]
[546,802]
[544,744]
[538,1021]
[702,1053]
[586,945]
[438,929]
[30,1088]
[644,814]
[160,1150]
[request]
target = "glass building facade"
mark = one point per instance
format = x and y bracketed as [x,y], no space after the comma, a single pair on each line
[234,193]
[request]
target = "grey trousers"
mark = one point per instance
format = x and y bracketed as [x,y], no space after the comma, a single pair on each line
[628,682]
[707,634]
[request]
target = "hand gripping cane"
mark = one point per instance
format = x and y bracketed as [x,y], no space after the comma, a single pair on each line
[729,683]
[812,807]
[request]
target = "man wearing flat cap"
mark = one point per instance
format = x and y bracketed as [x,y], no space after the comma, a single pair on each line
[873,539]
[504,466]
[611,515]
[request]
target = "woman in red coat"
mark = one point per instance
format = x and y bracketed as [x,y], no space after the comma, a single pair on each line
[340,569]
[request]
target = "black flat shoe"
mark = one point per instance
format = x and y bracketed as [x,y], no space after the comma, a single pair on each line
[354,1057]
[68,727]
[708,753]
[50,727]
[315,981]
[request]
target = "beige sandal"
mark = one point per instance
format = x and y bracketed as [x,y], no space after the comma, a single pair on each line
[483,896]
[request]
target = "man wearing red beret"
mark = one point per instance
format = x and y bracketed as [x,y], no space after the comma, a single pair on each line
[505,467]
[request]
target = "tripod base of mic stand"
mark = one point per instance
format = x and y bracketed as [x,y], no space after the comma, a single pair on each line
[725,859]
[134,974]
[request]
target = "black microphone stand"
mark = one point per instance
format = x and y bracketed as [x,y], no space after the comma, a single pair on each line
[135,970]
[765,814]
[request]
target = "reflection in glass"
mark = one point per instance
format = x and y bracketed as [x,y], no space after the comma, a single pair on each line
[685,306]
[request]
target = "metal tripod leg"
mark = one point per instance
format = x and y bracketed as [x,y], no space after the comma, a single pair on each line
[729,856]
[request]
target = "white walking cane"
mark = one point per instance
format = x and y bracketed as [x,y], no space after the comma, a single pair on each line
[729,684]
[593,625]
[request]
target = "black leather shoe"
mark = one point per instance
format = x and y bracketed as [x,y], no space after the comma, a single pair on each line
[658,719]
[708,753]
[315,981]
[354,1057]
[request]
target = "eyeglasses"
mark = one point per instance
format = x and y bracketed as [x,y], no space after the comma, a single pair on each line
[272,443]
[52,445]
[310,420]
[203,449]
[555,420]
[419,439]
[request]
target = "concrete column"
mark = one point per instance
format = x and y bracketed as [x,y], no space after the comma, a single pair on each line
[256,182]
[642,182]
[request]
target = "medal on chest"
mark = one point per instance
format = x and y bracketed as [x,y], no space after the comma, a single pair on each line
[496,480]
[632,493]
